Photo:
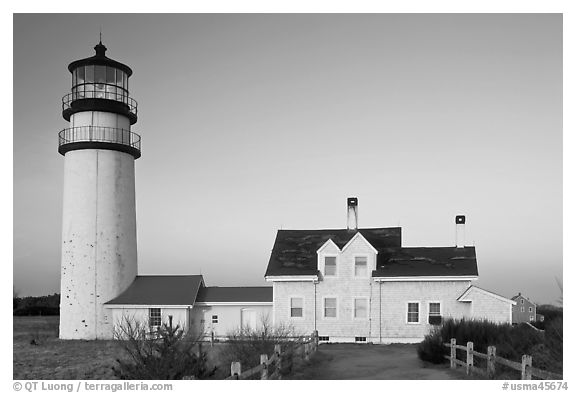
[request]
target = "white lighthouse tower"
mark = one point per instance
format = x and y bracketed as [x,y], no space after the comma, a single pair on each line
[99,259]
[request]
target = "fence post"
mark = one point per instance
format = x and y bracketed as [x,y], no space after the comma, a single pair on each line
[278,351]
[307,351]
[263,361]
[212,338]
[469,357]
[491,362]
[452,352]
[315,339]
[526,367]
[235,370]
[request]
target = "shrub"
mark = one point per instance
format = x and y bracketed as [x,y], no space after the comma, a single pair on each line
[432,348]
[167,354]
[245,345]
[511,341]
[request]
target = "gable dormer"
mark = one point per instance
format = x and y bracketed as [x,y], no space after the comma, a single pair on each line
[359,249]
[328,259]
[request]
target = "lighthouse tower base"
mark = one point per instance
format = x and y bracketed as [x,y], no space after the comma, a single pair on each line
[99,257]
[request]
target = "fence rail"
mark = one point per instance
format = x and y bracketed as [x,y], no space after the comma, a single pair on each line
[304,348]
[97,93]
[525,367]
[99,134]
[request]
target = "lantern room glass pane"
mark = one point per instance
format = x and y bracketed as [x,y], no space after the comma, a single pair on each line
[89,89]
[100,74]
[110,75]
[119,77]
[80,91]
[74,80]
[100,79]
[111,92]
[80,75]
[90,74]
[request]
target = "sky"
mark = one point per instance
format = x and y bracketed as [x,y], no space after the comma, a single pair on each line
[255,122]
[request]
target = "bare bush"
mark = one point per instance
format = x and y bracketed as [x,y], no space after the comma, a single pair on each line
[245,344]
[168,353]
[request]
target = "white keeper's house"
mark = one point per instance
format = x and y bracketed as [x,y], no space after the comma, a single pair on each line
[361,285]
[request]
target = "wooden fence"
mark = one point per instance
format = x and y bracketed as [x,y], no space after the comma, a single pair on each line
[277,361]
[525,367]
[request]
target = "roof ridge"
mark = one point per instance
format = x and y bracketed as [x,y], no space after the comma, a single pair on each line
[340,229]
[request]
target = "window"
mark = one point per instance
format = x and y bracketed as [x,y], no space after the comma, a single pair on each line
[360,266]
[110,75]
[329,266]
[434,308]
[361,308]
[90,73]
[521,309]
[330,307]
[155,317]
[529,309]
[360,339]
[434,316]
[80,75]
[413,312]
[531,318]
[296,307]
[214,318]
[522,301]
[323,338]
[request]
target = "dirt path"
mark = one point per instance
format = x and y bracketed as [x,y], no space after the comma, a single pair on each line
[352,361]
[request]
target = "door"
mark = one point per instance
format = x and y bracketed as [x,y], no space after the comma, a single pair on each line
[248,319]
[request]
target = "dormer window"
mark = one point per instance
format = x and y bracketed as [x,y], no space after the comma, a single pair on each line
[329,266]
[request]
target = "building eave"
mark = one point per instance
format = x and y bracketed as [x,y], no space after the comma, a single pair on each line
[313,278]
[234,303]
[148,305]
[462,297]
[426,278]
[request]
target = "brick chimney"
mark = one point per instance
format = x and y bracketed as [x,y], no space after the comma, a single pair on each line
[352,214]
[460,234]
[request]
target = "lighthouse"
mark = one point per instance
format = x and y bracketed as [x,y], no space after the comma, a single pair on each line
[99,256]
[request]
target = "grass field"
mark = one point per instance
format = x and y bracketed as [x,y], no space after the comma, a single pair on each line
[52,358]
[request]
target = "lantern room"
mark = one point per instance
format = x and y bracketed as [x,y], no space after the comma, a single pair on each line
[99,83]
[99,107]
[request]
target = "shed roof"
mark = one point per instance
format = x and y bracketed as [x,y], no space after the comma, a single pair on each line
[234,294]
[160,290]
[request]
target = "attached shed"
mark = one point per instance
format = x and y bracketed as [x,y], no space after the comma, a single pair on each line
[151,300]
[487,305]
[224,310]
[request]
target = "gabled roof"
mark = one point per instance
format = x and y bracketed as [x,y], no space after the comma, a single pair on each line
[426,261]
[515,297]
[160,290]
[294,251]
[294,254]
[234,295]
[473,288]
